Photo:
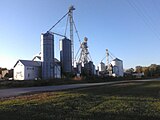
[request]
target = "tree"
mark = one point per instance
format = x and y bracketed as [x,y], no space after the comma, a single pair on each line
[139,69]
[130,70]
[0,70]
[145,70]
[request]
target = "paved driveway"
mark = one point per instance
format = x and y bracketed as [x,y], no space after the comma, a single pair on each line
[18,91]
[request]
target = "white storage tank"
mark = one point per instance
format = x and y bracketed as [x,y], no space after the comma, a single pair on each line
[79,69]
[117,68]
[57,68]
[47,55]
[101,67]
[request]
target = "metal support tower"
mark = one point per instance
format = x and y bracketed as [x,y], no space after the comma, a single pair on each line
[72,24]
[70,14]
[107,58]
[84,58]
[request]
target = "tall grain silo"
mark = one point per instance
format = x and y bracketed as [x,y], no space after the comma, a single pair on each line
[117,67]
[66,55]
[47,55]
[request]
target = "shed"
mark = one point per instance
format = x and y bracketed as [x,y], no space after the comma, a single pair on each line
[27,70]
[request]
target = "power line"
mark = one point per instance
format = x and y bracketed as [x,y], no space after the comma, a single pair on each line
[145,19]
[149,18]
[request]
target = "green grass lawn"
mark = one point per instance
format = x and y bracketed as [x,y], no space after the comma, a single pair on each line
[125,101]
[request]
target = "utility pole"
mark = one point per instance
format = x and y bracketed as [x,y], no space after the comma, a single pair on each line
[70,14]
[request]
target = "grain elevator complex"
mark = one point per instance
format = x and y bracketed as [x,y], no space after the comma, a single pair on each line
[46,66]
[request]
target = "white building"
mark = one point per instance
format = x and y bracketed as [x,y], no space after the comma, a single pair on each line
[57,66]
[101,67]
[117,68]
[37,58]
[31,70]
[27,70]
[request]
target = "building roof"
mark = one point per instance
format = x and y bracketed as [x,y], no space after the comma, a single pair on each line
[56,60]
[35,63]
[39,57]
[102,63]
[116,59]
[29,63]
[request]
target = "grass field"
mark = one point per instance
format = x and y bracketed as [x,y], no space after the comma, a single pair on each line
[125,101]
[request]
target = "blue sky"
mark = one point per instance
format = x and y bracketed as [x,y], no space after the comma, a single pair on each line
[130,29]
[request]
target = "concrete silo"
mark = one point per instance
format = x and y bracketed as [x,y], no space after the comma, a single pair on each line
[66,55]
[117,67]
[47,55]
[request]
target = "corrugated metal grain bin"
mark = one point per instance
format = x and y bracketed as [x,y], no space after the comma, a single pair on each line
[66,55]
[47,55]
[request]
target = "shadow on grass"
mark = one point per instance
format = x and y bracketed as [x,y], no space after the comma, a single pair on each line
[135,89]
[117,102]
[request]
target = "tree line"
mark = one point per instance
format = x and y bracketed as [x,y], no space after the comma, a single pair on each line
[151,71]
